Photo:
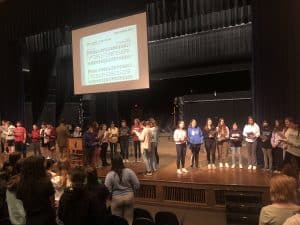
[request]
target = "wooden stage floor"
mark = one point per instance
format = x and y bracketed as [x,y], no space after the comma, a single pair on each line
[225,176]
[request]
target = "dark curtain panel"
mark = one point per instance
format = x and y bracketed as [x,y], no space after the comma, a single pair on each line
[276,77]
[41,71]
[11,78]
[64,84]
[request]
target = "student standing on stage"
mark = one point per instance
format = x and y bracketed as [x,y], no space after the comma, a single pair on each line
[35,140]
[124,133]
[210,143]
[10,137]
[44,140]
[3,130]
[62,133]
[195,139]
[20,138]
[89,138]
[103,139]
[278,145]
[222,143]
[236,138]
[293,144]
[145,139]
[251,132]
[180,138]
[266,134]
[154,142]
[113,137]
[136,127]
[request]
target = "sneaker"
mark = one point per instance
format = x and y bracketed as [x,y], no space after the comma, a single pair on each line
[226,165]
[254,167]
[124,160]
[149,174]
[209,166]
[241,166]
[214,166]
[249,167]
[127,160]
[221,165]
[184,170]
[139,160]
[233,166]
[179,171]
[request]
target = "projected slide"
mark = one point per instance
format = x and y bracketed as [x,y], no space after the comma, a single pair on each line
[110,56]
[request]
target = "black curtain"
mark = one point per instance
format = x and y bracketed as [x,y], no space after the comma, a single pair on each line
[41,67]
[276,78]
[12,80]
[64,84]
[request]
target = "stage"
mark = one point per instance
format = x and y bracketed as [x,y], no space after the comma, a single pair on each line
[200,188]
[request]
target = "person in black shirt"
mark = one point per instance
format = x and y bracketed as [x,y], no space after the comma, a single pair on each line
[236,137]
[124,133]
[75,205]
[36,192]
[210,134]
[265,137]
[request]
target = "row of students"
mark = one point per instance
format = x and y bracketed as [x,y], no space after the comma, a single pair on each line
[277,144]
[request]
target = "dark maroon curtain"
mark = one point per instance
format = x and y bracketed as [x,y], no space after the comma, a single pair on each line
[276,78]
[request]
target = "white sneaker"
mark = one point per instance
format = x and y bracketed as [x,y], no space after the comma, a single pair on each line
[241,166]
[254,167]
[249,167]
[233,166]
[127,160]
[214,166]
[184,170]
[221,165]
[226,165]
[209,166]
[124,160]
[179,171]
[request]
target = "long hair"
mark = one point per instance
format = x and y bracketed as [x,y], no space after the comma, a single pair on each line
[117,166]
[206,124]
[91,177]
[32,173]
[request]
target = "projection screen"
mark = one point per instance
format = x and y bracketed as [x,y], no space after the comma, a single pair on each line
[111,56]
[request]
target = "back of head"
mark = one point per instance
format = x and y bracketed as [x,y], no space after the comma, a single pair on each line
[78,177]
[283,189]
[13,158]
[117,165]
[92,176]
[33,168]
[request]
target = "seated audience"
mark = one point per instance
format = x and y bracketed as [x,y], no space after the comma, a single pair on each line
[36,192]
[98,193]
[122,183]
[17,215]
[75,205]
[283,191]
[294,220]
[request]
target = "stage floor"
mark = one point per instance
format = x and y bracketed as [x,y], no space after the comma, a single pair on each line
[220,176]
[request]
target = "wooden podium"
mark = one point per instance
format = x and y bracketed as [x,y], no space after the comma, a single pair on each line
[75,151]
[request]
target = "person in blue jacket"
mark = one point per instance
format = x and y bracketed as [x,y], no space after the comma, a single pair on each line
[195,138]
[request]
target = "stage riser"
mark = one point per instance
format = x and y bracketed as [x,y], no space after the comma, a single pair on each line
[192,195]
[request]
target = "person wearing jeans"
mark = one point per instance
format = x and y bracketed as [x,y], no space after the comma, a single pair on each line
[113,137]
[195,138]
[124,133]
[145,139]
[251,132]
[122,183]
[154,143]
[180,138]
[222,143]
[210,143]
[103,139]
[236,138]
[266,134]
[136,127]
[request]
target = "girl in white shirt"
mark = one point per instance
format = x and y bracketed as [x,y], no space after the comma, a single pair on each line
[180,138]
[251,132]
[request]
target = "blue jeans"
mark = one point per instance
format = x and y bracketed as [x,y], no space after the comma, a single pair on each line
[236,151]
[154,156]
[148,160]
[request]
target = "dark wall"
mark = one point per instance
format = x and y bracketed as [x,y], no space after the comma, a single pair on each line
[276,28]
